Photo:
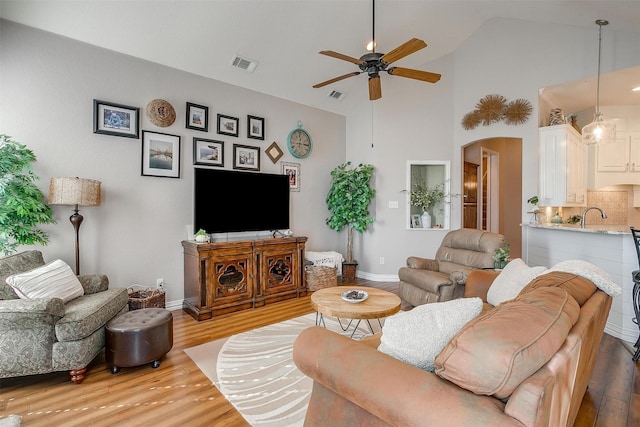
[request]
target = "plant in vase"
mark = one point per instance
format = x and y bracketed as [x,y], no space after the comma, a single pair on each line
[426,197]
[348,200]
[22,206]
[501,257]
[201,236]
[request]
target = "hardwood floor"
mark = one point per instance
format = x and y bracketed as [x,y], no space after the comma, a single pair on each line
[177,393]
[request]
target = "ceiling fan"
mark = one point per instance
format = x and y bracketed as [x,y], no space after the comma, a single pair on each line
[373,63]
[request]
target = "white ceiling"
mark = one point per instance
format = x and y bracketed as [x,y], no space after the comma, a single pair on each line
[285,36]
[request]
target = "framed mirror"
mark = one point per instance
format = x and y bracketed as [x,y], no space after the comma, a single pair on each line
[428,195]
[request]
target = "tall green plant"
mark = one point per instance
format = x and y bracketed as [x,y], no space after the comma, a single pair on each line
[349,199]
[21,203]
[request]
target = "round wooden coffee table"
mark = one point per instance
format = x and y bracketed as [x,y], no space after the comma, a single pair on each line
[379,304]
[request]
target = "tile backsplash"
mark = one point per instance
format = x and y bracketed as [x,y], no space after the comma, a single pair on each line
[615,201]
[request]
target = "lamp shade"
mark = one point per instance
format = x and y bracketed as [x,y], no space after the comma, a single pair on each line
[74,191]
[600,131]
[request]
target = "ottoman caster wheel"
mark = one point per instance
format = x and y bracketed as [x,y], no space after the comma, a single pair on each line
[155,364]
[115,369]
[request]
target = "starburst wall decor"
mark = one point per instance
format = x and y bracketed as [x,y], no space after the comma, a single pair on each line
[494,108]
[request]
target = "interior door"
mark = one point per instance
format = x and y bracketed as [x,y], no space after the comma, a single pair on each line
[470,195]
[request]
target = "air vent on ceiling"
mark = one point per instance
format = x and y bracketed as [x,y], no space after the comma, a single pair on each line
[338,96]
[245,64]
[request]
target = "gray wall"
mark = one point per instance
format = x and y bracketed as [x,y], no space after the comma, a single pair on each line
[415,121]
[47,87]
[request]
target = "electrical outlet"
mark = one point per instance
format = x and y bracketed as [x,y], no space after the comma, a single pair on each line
[381,260]
[393,204]
[160,283]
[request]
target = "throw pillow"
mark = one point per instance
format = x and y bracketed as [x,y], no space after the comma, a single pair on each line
[495,352]
[417,336]
[515,276]
[52,280]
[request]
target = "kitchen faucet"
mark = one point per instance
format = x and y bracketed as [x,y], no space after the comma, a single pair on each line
[584,214]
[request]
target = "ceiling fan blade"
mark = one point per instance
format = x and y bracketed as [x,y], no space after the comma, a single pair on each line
[336,79]
[425,76]
[375,89]
[403,50]
[341,56]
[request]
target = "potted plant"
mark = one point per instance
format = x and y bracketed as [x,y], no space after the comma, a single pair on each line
[202,236]
[22,207]
[425,197]
[501,257]
[348,200]
[534,210]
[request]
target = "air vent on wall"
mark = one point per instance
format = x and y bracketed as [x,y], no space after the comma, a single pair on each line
[245,64]
[338,96]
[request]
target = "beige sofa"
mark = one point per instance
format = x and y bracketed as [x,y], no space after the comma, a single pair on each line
[355,384]
[442,279]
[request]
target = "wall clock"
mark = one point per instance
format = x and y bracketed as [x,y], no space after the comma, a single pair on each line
[299,142]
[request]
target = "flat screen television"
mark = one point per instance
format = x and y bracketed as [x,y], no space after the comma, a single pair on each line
[230,201]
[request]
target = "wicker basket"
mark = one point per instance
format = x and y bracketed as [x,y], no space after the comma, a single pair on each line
[319,277]
[146,298]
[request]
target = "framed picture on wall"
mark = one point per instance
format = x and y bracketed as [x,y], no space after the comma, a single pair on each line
[255,127]
[116,119]
[293,171]
[246,157]
[208,152]
[228,125]
[274,152]
[197,117]
[160,154]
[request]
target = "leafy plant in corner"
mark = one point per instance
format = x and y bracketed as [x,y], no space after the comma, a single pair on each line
[349,199]
[22,207]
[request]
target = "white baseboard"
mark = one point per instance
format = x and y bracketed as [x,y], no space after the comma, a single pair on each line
[174,305]
[377,277]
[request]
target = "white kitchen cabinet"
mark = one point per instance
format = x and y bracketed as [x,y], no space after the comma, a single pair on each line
[563,162]
[619,163]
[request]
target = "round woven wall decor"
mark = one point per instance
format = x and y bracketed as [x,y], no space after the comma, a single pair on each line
[161,113]
[471,120]
[491,108]
[517,112]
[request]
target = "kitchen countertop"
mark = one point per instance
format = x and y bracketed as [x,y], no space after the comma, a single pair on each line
[602,229]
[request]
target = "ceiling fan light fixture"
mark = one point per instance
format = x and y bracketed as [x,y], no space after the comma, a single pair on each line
[371,46]
[600,131]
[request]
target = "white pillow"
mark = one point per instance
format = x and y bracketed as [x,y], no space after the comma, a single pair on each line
[515,276]
[52,280]
[417,336]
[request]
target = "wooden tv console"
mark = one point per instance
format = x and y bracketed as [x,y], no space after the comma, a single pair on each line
[232,275]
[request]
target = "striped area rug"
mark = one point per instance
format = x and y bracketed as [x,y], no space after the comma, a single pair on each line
[254,370]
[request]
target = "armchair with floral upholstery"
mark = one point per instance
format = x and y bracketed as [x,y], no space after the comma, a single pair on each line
[45,335]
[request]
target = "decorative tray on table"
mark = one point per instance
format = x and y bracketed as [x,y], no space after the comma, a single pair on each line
[355,296]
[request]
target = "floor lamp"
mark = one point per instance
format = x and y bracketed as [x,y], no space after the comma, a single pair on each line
[75,192]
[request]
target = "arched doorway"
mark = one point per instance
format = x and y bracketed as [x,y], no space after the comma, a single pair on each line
[492,188]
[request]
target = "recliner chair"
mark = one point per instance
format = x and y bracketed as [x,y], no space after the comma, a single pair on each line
[425,280]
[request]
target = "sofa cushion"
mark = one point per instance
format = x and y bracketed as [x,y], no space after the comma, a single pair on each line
[578,287]
[17,263]
[495,352]
[418,335]
[86,314]
[52,280]
[515,276]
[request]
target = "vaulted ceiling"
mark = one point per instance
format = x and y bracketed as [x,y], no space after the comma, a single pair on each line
[285,36]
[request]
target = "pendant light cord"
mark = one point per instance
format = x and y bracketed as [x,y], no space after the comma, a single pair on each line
[600,23]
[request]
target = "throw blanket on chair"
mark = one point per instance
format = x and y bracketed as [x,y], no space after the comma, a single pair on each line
[589,271]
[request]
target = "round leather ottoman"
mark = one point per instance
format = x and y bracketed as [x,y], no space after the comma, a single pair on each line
[138,337]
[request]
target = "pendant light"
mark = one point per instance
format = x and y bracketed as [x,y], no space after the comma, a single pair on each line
[600,131]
